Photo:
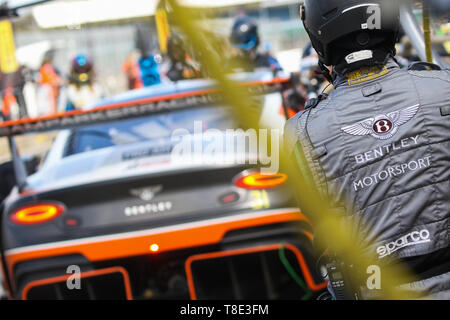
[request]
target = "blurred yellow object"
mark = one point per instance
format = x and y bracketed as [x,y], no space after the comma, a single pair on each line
[8,61]
[162,26]
[446,28]
[427,32]
[447,46]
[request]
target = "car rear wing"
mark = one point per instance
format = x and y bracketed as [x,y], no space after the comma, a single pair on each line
[134,108]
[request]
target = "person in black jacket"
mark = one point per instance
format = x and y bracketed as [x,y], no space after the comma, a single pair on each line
[378,146]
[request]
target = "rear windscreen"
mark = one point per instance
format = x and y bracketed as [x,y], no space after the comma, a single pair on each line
[155,128]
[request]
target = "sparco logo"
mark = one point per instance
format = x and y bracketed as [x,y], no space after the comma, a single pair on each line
[410,239]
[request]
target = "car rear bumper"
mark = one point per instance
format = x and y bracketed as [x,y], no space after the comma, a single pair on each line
[176,245]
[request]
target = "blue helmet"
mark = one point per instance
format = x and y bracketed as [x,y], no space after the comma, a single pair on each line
[81,64]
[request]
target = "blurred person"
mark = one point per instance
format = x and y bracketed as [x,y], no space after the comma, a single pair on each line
[378,150]
[406,53]
[181,65]
[9,104]
[267,49]
[307,84]
[311,76]
[245,38]
[82,90]
[13,102]
[22,76]
[50,83]
[149,69]
[132,71]
[30,91]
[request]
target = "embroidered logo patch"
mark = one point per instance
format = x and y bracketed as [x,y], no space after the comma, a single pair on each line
[383,126]
[366,74]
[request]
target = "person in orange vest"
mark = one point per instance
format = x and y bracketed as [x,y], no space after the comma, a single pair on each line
[49,76]
[132,71]
[9,102]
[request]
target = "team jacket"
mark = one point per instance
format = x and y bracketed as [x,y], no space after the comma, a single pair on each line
[380,146]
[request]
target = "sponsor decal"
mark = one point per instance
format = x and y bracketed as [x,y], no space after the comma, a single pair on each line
[147,193]
[391,171]
[411,239]
[382,126]
[147,152]
[380,152]
[148,208]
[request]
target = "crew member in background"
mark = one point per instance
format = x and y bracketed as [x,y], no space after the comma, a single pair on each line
[82,90]
[132,71]
[245,38]
[306,84]
[406,53]
[181,65]
[13,101]
[311,76]
[50,82]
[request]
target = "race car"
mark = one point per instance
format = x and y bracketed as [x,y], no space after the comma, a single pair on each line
[113,206]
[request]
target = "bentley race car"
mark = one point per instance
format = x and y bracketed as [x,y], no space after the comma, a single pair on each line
[111,202]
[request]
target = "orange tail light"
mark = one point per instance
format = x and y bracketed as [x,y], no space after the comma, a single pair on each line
[257,180]
[36,213]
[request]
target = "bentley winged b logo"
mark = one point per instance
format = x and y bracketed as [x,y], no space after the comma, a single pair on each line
[383,126]
[147,193]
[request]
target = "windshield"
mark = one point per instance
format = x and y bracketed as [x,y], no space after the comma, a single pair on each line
[156,128]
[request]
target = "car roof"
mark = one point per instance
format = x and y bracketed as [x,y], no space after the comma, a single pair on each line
[183,86]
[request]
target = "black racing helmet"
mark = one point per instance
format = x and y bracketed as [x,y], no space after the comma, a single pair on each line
[352,30]
[244,34]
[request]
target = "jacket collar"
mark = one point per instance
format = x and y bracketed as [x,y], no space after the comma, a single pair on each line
[362,75]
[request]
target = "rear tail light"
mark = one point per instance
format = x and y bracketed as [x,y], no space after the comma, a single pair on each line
[36,213]
[257,180]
